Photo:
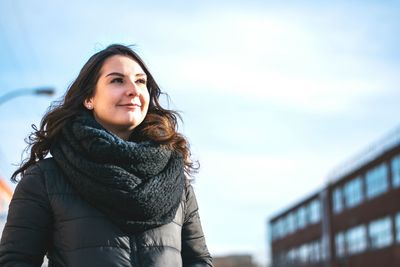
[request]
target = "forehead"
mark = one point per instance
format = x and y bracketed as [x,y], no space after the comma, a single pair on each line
[121,64]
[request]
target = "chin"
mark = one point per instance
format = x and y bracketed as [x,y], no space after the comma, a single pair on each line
[132,124]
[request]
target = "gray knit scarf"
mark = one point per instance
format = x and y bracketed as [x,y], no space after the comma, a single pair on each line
[138,185]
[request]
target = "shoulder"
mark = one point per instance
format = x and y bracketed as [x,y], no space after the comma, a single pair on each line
[41,167]
[188,187]
[47,165]
[36,176]
[188,190]
[44,168]
[190,201]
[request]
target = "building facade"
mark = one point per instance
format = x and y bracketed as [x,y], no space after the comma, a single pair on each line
[353,221]
[234,261]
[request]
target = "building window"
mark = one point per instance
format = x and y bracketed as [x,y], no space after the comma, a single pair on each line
[306,253]
[340,245]
[280,228]
[314,211]
[356,239]
[395,164]
[324,248]
[377,180]
[292,256]
[280,259]
[380,233]
[315,251]
[293,215]
[353,194]
[290,223]
[276,230]
[303,253]
[301,217]
[337,200]
[273,230]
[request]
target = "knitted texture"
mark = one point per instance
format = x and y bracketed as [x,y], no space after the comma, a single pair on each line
[138,185]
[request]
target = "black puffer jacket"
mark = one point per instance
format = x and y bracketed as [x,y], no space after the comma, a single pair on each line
[47,215]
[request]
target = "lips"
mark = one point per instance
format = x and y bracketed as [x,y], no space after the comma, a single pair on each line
[130,105]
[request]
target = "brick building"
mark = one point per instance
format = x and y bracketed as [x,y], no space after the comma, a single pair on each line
[234,261]
[353,221]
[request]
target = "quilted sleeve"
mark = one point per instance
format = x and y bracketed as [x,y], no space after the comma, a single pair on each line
[194,248]
[28,227]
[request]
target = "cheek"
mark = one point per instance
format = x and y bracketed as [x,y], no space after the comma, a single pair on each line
[146,99]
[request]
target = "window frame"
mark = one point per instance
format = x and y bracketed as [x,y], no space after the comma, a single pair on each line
[349,189]
[375,230]
[374,183]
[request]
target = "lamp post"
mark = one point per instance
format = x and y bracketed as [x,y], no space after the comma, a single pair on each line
[5,190]
[48,91]
[44,90]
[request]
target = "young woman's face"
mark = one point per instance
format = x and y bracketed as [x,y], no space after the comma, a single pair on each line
[121,99]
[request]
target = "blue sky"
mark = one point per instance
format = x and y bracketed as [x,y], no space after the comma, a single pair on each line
[274,94]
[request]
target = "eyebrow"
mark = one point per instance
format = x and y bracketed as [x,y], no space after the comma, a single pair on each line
[122,75]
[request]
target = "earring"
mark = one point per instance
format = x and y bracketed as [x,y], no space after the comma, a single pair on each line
[89,106]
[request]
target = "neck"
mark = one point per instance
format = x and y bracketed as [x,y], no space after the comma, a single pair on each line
[124,135]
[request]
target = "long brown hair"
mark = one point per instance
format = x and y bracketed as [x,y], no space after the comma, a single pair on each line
[160,125]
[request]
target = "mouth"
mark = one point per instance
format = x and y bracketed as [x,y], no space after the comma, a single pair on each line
[132,105]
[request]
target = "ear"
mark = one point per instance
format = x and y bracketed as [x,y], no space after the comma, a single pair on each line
[88,103]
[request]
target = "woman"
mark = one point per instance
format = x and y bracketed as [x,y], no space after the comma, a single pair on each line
[114,192]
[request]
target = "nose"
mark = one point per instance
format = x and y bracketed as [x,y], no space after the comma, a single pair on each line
[132,89]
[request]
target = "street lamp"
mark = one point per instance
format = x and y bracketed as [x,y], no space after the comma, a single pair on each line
[48,91]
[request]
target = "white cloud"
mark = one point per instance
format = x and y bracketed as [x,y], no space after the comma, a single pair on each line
[283,61]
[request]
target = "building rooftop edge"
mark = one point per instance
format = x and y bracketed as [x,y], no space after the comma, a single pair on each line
[378,148]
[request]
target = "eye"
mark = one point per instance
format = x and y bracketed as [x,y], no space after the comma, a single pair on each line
[117,80]
[141,81]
